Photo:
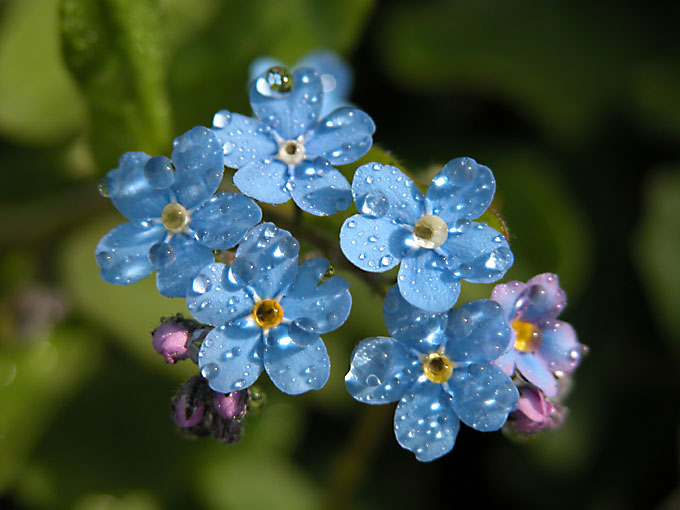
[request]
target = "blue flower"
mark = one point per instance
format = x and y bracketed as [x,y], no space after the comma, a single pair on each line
[432,235]
[268,315]
[544,348]
[176,221]
[336,75]
[438,366]
[288,151]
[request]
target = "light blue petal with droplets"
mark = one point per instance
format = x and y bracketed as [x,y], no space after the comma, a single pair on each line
[336,77]
[291,113]
[189,257]
[384,191]
[131,193]
[414,327]
[213,299]
[231,355]
[197,156]
[266,261]
[559,349]
[507,362]
[244,139]
[478,332]
[123,253]
[373,244]
[342,137]
[224,219]
[327,305]
[536,373]
[483,396]
[425,422]
[477,253]
[264,181]
[425,281]
[381,370]
[320,189]
[294,369]
[462,189]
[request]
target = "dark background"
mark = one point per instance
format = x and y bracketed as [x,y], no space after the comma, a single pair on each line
[575,106]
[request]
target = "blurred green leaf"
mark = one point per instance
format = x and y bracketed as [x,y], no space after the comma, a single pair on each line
[115,50]
[39,103]
[129,313]
[657,249]
[35,379]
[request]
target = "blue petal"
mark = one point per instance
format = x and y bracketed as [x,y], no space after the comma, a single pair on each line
[507,362]
[425,422]
[381,370]
[244,139]
[373,244]
[231,355]
[326,304]
[385,191]
[264,181]
[477,253]
[544,298]
[213,299]
[174,279]
[462,189]
[320,189]
[559,349]
[342,137]
[224,219]
[131,193]
[123,253]
[483,396]
[291,113]
[197,156]
[266,261]
[478,332]
[261,65]
[294,369]
[420,330]
[536,373]
[425,281]
[336,77]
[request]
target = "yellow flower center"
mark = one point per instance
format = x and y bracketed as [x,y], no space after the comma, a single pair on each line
[175,218]
[528,336]
[268,313]
[437,367]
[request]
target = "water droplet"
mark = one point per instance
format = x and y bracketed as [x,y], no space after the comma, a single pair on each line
[243,271]
[240,384]
[287,248]
[161,255]
[373,380]
[386,260]
[201,284]
[302,332]
[375,204]
[104,259]
[103,188]
[159,172]
[210,371]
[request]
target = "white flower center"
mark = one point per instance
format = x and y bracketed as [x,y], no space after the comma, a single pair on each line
[430,232]
[175,218]
[291,152]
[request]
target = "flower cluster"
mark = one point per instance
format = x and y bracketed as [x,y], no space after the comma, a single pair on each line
[259,305]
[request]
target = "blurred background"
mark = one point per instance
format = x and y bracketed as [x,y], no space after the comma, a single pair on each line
[574,105]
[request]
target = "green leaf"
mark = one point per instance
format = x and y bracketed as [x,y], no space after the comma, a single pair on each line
[115,50]
[657,249]
[35,380]
[39,103]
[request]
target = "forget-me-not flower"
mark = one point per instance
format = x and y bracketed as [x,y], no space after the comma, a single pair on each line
[432,235]
[268,314]
[438,366]
[544,348]
[336,75]
[176,220]
[288,151]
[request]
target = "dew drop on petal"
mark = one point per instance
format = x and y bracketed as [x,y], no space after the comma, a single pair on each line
[210,371]
[243,271]
[375,204]
[103,188]
[161,255]
[201,284]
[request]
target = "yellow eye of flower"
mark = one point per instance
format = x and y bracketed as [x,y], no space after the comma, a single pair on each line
[268,313]
[437,367]
[528,336]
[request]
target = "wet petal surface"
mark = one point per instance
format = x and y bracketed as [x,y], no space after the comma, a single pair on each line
[373,244]
[341,137]
[224,219]
[426,282]
[560,349]
[320,189]
[188,257]
[537,373]
[244,139]
[264,181]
